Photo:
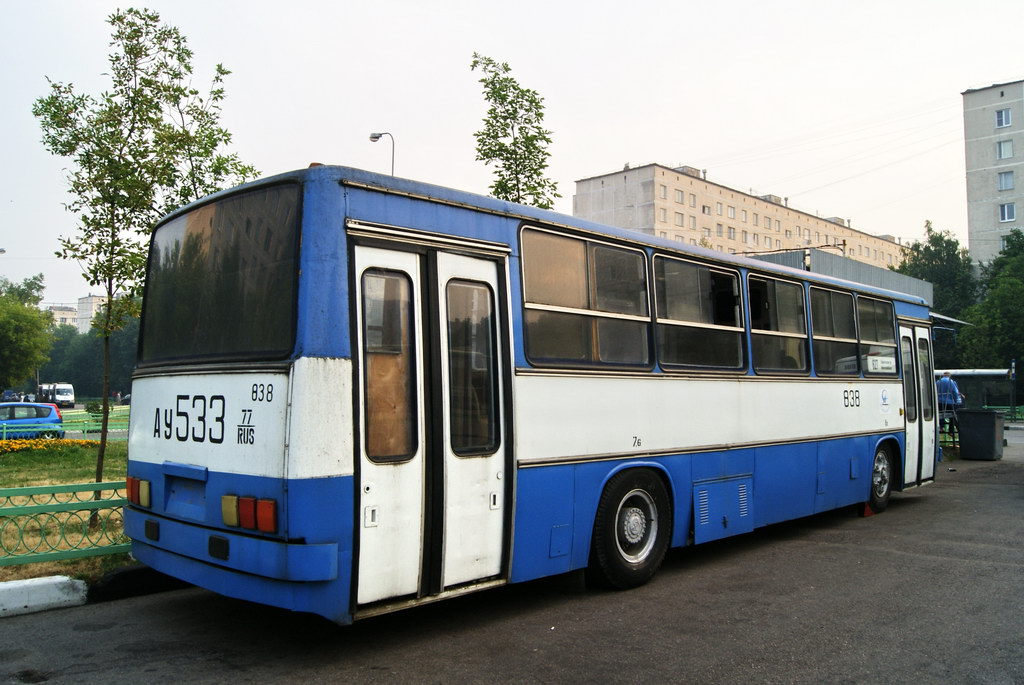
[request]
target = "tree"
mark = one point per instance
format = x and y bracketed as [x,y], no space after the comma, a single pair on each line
[997,334]
[943,262]
[24,340]
[145,146]
[57,368]
[513,137]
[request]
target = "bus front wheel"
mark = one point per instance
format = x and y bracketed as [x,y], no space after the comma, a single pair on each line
[881,480]
[631,530]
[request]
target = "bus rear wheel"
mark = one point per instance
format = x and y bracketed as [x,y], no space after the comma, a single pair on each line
[881,480]
[631,530]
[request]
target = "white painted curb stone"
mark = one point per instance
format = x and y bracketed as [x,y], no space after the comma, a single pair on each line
[39,594]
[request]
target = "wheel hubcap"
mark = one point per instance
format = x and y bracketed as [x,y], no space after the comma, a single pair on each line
[637,526]
[880,474]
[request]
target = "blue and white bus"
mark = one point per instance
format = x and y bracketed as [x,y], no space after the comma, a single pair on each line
[357,393]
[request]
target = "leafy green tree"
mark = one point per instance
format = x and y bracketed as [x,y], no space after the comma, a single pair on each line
[29,292]
[1007,262]
[997,334]
[57,369]
[942,261]
[24,338]
[513,137]
[139,149]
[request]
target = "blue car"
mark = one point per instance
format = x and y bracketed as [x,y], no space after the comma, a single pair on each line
[27,420]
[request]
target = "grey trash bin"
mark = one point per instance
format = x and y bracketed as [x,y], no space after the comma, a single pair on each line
[981,434]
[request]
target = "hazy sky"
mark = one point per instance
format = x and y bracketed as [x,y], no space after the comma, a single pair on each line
[848,109]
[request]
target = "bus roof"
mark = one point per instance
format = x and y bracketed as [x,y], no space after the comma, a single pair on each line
[386,183]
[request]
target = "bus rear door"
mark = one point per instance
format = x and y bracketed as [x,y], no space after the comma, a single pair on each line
[433,468]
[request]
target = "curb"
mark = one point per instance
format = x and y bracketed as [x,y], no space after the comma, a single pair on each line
[39,594]
[32,595]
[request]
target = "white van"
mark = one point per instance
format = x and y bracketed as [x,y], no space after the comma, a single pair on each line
[64,395]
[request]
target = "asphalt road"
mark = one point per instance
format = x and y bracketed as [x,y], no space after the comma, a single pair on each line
[931,591]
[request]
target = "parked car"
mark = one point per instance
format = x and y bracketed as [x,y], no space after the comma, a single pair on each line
[26,420]
[10,396]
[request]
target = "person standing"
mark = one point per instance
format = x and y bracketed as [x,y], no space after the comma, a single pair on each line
[950,398]
[949,393]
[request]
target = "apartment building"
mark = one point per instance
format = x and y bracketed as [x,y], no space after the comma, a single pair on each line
[64,315]
[88,307]
[681,204]
[994,149]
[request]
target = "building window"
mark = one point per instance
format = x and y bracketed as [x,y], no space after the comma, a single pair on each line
[732,212]
[680,196]
[680,219]
[1004,149]
[743,215]
[789,234]
[756,219]
[1003,118]
[662,192]
[1005,180]
[1008,212]
[719,230]
[693,200]
[663,215]
[718,208]
[693,223]
[778,244]
[663,234]
[705,209]
[732,233]
[744,234]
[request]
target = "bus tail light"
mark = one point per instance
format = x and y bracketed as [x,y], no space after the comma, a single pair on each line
[138,491]
[249,513]
[266,515]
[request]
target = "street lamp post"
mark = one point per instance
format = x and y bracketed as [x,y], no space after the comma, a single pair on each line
[374,137]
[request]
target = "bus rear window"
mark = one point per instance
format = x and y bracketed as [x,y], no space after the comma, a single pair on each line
[221,280]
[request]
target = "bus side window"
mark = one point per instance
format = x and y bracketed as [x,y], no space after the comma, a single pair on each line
[778,328]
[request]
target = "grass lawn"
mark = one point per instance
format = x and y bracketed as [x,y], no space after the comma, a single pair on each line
[59,462]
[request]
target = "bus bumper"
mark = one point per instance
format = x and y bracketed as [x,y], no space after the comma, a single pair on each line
[298,577]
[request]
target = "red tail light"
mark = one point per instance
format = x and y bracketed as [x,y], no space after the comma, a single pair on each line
[247,512]
[266,515]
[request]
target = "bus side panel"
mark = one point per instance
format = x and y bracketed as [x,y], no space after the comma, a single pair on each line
[785,482]
[543,522]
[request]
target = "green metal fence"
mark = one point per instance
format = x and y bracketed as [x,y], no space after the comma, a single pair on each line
[54,522]
[80,427]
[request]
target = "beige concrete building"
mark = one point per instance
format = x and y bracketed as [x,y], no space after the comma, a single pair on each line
[88,307]
[994,147]
[64,315]
[680,204]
